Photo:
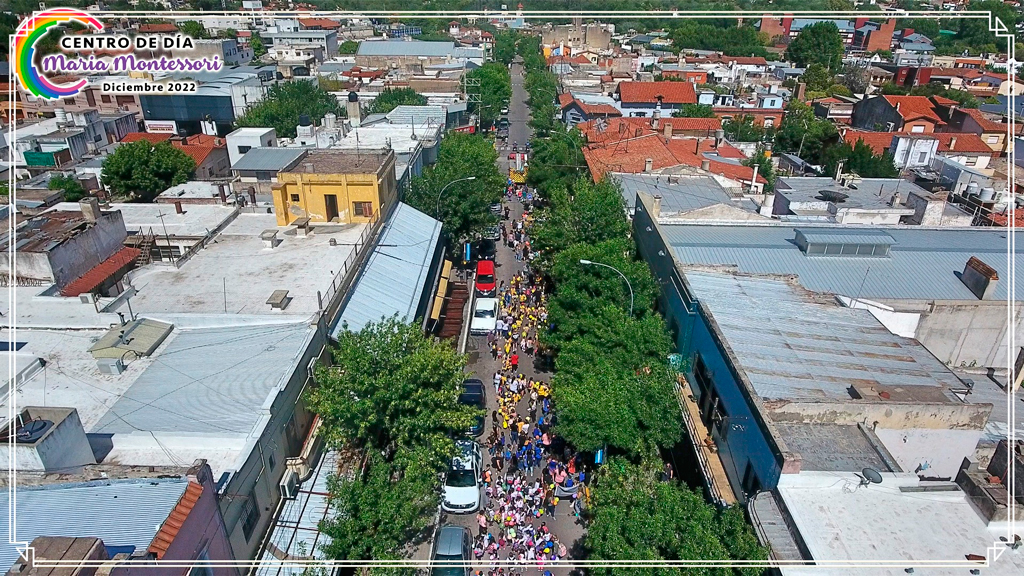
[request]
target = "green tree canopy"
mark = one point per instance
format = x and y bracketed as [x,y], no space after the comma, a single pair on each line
[859,159]
[504,49]
[694,111]
[762,159]
[348,47]
[390,98]
[284,104]
[193,29]
[803,133]
[588,214]
[73,190]
[818,43]
[638,516]
[556,161]
[141,170]
[743,129]
[817,77]
[256,43]
[464,206]
[727,37]
[495,91]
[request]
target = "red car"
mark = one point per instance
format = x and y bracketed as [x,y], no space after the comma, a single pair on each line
[485,286]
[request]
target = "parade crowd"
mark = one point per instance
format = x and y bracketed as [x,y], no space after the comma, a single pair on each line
[532,475]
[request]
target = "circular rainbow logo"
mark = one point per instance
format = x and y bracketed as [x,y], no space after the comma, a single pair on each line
[29,32]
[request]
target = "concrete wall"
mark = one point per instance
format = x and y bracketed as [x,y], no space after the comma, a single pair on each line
[892,415]
[967,333]
[312,190]
[930,453]
[64,445]
[79,254]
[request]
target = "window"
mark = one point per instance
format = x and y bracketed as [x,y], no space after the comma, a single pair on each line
[201,569]
[918,128]
[972,161]
[250,515]
[271,462]
[244,149]
[124,100]
[70,101]
[921,157]
[992,139]
[295,197]
[364,209]
[105,98]
[769,122]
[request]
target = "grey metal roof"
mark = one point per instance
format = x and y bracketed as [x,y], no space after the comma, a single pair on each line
[409,114]
[917,46]
[416,48]
[870,194]
[843,25]
[791,347]
[208,380]
[678,194]
[393,280]
[268,158]
[334,67]
[120,512]
[848,236]
[921,265]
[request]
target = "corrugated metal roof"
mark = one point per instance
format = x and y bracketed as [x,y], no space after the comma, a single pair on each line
[921,265]
[271,158]
[793,348]
[208,380]
[678,193]
[120,512]
[407,114]
[393,280]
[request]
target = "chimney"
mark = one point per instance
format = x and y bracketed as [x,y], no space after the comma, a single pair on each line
[719,136]
[90,208]
[980,278]
[656,207]
[705,165]
[177,207]
[668,130]
[648,164]
[222,194]
[897,106]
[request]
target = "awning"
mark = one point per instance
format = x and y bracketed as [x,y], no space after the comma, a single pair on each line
[442,291]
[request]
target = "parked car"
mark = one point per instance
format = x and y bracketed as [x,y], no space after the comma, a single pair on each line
[496,208]
[493,233]
[474,394]
[453,544]
[504,111]
[485,249]
[485,278]
[460,493]
[485,316]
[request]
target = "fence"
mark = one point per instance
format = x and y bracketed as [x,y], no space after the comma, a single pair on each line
[330,301]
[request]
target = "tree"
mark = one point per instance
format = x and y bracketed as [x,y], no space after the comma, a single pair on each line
[390,98]
[256,43]
[838,90]
[504,49]
[141,170]
[284,104]
[818,43]
[762,159]
[856,78]
[743,129]
[817,77]
[637,516]
[694,111]
[975,32]
[229,33]
[391,387]
[725,37]
[859,159]
[556,161]
[464,206]
[803,133]
[495,91]
[348,47]
[73,190]
[591,213]
[193,29]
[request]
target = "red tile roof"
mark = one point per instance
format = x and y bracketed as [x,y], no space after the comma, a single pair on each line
[631,155]
[175,520]
[319,23]
[564,99]
[599,109]
[693,124]
[945,101]
[1003,219]
[966,142]
[615,129]
[198,153]
[914,107]
[148,136]
[648,92]
[581,60]
[158,28]
[986,124]
[98,274]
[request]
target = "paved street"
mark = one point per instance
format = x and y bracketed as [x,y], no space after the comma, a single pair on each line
[564,523]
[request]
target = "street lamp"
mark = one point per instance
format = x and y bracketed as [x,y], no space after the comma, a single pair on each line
[438,212]
[628,285]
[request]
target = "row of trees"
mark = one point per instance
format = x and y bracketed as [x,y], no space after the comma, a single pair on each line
[285,102]
[391,394]
[817,141]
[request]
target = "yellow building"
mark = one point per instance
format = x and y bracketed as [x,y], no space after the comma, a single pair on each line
[342,186]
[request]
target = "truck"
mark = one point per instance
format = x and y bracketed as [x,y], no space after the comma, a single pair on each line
[517,167]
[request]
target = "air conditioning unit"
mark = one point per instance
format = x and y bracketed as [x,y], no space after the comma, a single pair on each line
[112,366]
[87,298]
[289,485]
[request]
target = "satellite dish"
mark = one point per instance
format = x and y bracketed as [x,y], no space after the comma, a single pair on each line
[871,476]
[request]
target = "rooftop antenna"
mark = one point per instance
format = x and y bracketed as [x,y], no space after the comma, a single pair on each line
[863,280]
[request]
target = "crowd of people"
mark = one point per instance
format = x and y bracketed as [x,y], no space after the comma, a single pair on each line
[532,476]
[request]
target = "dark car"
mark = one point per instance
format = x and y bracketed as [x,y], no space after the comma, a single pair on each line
[452,548]
[474,394]
[485,249]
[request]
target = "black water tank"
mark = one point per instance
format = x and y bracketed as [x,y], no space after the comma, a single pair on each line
[32,431]
[353,97]
[304,120]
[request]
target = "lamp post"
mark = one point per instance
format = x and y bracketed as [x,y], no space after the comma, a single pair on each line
[438,212]
[628,285]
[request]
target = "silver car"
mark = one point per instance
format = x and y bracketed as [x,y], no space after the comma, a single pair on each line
[452,548]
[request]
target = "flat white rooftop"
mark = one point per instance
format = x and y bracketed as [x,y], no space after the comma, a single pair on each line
[236,273]
[889,524]
[197,220]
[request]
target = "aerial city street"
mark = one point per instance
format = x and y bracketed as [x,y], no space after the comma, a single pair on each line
[496,291]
